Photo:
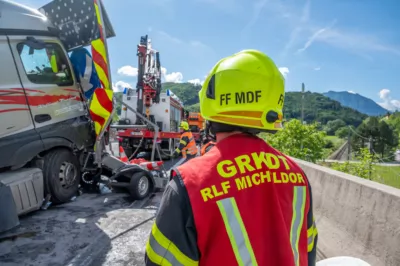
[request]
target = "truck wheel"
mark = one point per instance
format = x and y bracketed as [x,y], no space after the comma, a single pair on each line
[62,175]
[140,185]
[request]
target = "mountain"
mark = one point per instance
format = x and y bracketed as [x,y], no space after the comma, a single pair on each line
[357,102]
[317,107]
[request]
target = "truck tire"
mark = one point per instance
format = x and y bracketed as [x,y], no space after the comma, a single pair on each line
[61,173]
[140,185]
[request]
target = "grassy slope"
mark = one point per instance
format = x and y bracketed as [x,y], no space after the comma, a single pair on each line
[388,175]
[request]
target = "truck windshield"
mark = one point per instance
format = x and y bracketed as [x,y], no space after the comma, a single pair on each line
[48,65]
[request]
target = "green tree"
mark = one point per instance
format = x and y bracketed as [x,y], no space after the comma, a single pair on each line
[193,108]
[387,142]
[379,134]
[188,93]
[344,132]
[359,137]
[369,129]
[394,122]
[118,98]
[395,119]
[304,142]
[332,126]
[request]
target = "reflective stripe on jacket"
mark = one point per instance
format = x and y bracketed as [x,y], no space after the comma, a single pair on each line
[187,144]
[207,147]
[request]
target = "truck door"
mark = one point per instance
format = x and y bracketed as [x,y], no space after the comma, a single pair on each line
[55,99]
[16,124]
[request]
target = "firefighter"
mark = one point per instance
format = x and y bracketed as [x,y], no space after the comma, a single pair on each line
[244,203]
[208,140]
[187,145]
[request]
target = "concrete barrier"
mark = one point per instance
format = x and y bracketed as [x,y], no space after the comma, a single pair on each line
[355,217]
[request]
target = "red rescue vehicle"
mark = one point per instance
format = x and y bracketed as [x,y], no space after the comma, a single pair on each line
[150,118]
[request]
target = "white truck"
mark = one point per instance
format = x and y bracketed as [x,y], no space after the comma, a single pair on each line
[47,135]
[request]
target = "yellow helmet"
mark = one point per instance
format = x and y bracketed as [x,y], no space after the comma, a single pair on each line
[246,90]
[184,125]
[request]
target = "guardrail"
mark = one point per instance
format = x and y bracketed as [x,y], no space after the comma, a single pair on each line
[355,217]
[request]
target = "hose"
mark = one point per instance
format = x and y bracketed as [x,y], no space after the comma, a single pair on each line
[161,151]
[137,149]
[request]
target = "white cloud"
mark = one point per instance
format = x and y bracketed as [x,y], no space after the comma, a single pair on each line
[384,94]
[317,68]
[176,77]
[128,71]
[355,42]
[120,86]
[170,38]
[284,71]
[298,26]
[387,101]
[258,7]
[305,31]
[315,36]
[191,45]
[196,81]
[351,92]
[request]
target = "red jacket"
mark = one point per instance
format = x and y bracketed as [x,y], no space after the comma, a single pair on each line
[250,204]
[235,206]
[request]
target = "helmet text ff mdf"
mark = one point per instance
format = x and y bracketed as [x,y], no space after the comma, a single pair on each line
[245,90]
[184,125]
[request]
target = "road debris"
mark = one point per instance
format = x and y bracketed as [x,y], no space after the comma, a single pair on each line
[92,230]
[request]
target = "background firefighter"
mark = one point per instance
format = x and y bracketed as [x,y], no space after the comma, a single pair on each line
[187,145]
[244,202]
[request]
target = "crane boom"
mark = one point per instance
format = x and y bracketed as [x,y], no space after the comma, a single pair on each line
[148,86]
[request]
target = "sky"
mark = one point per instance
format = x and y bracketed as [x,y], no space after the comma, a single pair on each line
[339,45]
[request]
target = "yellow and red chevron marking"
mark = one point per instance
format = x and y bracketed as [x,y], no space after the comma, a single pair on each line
[101,104]
[101,107]
[99,54]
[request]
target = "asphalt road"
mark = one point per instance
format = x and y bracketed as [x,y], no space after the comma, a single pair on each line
[93,230]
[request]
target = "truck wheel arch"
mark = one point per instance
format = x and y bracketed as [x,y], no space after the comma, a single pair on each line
[39,147]
[50,143]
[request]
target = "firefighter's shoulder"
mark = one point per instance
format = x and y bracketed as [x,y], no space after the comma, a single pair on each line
[200,165]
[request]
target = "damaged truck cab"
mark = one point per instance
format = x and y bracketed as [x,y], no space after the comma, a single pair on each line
[47,136]
[43,114]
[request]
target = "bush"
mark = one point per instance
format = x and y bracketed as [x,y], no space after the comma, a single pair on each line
[304,142]
[362,169]
[329,144]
